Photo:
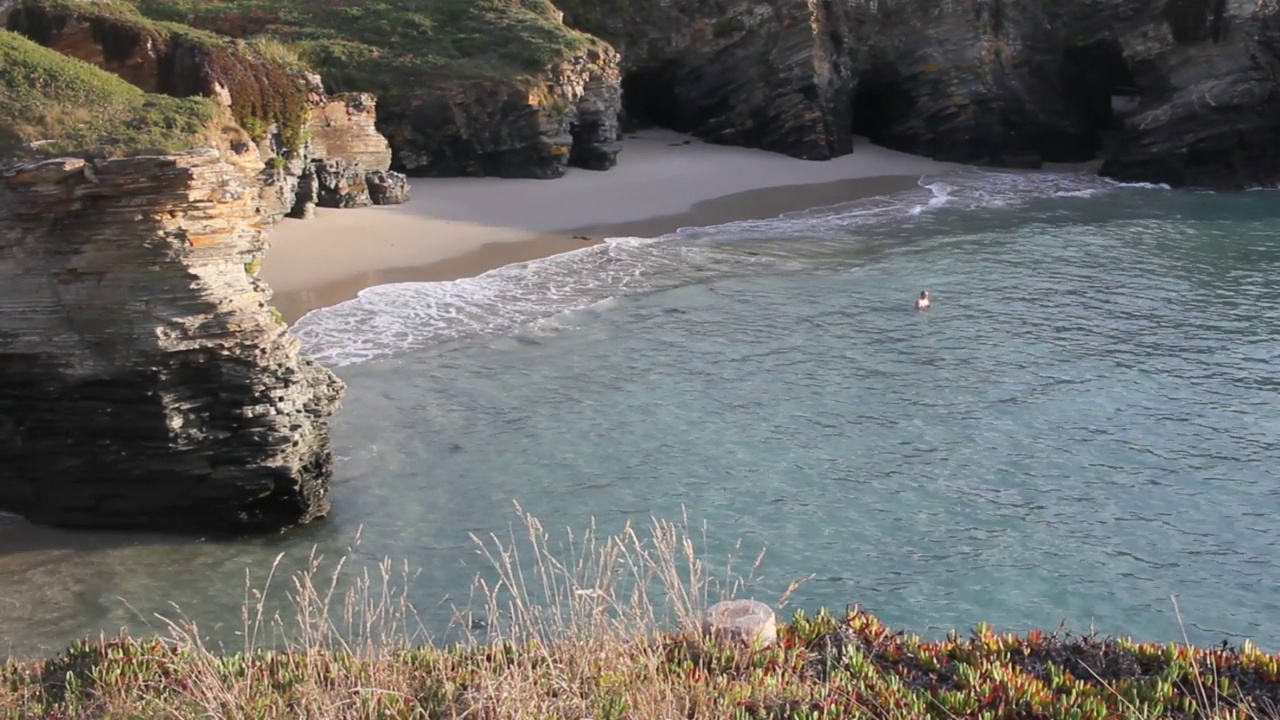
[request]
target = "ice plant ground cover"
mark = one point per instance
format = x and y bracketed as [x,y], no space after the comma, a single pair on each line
[608,628]
[823,667]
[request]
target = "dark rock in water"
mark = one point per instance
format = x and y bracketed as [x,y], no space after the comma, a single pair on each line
[387,187]
[144,381]
[340,184]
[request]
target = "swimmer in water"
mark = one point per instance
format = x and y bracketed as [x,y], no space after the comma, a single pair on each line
[922,302]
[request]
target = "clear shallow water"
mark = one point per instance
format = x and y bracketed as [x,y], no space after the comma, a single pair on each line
[1086,423]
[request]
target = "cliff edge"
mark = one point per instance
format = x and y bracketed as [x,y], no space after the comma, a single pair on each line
[147,383]
[485,87]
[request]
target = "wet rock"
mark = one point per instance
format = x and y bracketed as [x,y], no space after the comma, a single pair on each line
[1209,113]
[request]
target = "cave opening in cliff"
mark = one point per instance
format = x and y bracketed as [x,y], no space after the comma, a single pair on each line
[1098,84]
[880,101]
[649,99]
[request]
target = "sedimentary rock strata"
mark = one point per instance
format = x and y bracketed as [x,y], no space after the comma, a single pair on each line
[772,74]
[282,105]
[147,384]
[983,81]
[518,127]
[350,160]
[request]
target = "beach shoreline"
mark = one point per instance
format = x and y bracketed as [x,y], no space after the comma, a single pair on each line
[455,228]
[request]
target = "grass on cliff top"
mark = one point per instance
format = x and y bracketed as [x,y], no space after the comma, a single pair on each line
[388,46]
[264,79]
[607,628]
[53,105]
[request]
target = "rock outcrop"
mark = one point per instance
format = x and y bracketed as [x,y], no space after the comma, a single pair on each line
[344,126]
[981,81]
[387,188]
[147,384]
[1018,84]
[517,127]
[771,74]
[350,160]
[1210,78]
[282,105]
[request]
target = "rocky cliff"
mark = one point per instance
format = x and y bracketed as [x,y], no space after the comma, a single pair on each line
[983,81]
[772,74]
[485,87]
[147,384]
[144,380]
[512,127]
[278,101]
[494,87]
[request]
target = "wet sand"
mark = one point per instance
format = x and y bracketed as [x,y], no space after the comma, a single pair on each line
[461,227]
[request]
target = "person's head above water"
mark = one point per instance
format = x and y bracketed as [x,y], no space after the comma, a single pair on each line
[924,294]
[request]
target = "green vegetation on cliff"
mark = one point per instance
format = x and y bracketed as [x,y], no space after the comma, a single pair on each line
[52,105]
[389,46]
[264,80]
[849,666]
[609,628]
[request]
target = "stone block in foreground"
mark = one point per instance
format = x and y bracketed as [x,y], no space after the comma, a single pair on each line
[144,381]
[747,621]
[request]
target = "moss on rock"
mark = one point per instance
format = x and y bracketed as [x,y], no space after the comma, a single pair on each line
[54,105]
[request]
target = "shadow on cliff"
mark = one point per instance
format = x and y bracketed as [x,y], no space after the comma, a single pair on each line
[1067,110]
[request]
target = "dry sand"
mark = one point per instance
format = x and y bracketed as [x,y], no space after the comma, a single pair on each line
[459,227]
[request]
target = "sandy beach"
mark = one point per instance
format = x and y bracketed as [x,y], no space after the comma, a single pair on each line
[461,227]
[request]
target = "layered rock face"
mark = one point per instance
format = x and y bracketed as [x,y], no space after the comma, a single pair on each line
[285,107]
[1018,84]
[981,81]
[515,128]
[350,160]
[1210,76]
[771,74]
[975,81]
[147,383]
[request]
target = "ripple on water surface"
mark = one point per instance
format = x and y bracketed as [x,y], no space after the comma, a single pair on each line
[1085,424]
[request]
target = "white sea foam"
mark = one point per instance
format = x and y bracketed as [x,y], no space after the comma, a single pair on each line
[544,295]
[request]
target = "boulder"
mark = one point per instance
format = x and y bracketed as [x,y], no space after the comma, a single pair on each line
[340,184]
[741,621]
[387,187]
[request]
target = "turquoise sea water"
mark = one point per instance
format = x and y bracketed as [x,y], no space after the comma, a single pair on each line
[1086,424]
